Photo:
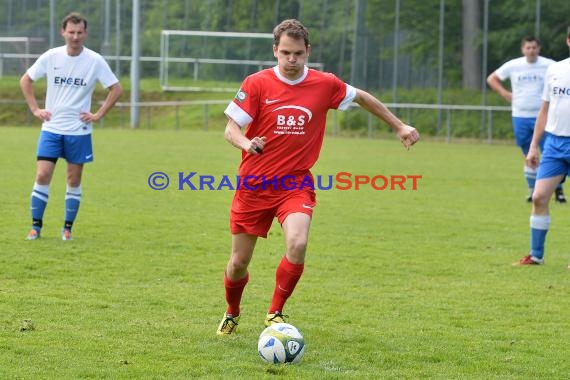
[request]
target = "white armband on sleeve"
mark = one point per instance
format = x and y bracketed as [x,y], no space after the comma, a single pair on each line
[350,95]
[238,115]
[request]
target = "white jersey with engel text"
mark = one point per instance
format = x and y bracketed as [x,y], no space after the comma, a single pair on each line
[527,81]
[557,93]
[71,81]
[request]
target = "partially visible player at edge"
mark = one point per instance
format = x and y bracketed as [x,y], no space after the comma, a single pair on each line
[283,113]
[71,72]
[526,74]
[553,123]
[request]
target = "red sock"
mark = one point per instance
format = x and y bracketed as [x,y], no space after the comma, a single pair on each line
[234,290]
[286,278]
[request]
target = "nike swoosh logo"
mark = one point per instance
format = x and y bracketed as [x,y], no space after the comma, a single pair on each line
[305,206]
[267,101]
[88,156]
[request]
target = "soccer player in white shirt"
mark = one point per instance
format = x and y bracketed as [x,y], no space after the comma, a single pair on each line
[71,72]
[526,75]
[552,123]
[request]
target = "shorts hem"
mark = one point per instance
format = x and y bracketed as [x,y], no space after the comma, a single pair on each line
[243,231]
[45,158]
[282,218]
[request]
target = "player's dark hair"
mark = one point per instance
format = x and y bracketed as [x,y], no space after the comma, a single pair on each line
[568,32]
[74,18]
[292,28]
[530,39]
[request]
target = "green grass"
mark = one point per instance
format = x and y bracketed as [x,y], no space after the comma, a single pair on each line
[398,284]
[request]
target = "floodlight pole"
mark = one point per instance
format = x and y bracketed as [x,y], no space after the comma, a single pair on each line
[52,23]
[440,61]
[107,20]
[484,68]
[396,48]
[537,20]
[358,17]
[135,62]
[118,37]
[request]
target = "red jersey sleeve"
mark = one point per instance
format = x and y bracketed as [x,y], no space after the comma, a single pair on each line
[244,108]
[338,90]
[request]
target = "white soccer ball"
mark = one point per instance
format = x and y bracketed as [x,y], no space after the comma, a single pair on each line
[281,343]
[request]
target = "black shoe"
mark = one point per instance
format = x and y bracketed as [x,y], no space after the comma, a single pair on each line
[529,196]
[559,197]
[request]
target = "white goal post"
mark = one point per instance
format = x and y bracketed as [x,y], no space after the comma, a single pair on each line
[188,57]
[15,54]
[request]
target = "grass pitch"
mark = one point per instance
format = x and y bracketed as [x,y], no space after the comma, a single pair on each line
[398,284]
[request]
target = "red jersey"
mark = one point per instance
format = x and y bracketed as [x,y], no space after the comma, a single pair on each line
[291,114]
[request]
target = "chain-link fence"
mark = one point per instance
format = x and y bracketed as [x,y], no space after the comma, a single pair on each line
[371,44]
[408,51]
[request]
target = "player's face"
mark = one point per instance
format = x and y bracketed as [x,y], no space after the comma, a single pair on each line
[74,36]
[291,56]
[530,50]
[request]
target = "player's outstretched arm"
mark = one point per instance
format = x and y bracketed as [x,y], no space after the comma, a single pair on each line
[408,135]
[234,136]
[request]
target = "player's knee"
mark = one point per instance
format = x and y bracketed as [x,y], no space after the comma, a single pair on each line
[540,200]
[74,182]
[74,179]
[239,263]
[296,247]
[43,178]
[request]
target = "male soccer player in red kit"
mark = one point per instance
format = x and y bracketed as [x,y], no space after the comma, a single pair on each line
[278,120]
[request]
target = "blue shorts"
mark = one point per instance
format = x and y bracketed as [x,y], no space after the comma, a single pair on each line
[75,149]
[555,159]
[523,128]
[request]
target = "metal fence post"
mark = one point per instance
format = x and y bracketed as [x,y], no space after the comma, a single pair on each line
[448,125]
[335,123]
[177,116]
[147,117]
[206,116]
[489,126]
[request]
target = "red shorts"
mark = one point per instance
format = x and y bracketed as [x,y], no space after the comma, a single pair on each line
[252,211]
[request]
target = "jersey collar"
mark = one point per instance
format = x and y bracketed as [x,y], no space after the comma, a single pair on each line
[288,81]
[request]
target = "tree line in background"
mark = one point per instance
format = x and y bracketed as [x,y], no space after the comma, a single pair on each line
[355,39]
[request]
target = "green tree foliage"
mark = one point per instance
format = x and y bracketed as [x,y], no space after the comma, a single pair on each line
[336,31]
[510,21]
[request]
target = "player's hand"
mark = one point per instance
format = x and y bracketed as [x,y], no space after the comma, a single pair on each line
[42,114]
[408,136]
[532,158]
[88,117]
[256,145]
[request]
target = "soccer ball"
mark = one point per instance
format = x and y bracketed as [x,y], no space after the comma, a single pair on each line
[281,343]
